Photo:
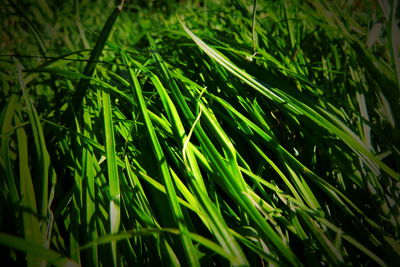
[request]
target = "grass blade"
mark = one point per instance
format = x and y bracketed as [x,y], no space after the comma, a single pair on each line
[32,232]
[112,170]
[83,85]
[37,251]
[46,171]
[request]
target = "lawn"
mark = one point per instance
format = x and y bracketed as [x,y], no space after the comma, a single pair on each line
[200,133]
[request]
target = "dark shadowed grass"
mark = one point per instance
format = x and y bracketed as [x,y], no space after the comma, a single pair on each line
[246,133]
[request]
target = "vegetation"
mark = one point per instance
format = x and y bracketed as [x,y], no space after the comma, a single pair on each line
[236,132]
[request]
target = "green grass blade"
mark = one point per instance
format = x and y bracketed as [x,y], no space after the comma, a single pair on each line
[33,249]
[394,39]
[253,27]
[32,230]
[83,85]
[6,126]
[46,171]
[89,191]
[112,170]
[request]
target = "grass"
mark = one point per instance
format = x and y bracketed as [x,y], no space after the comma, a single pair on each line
[200,133]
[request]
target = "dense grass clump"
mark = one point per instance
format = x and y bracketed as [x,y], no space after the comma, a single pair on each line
[208,133]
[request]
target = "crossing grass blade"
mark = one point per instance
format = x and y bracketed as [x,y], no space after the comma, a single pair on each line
[124,235]
[33,249]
